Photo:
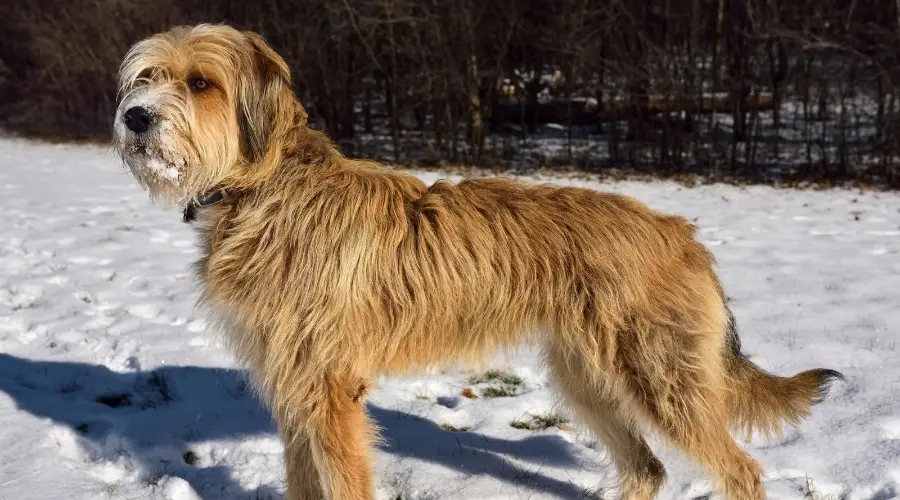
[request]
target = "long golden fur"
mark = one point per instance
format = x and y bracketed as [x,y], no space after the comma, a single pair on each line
[328,271]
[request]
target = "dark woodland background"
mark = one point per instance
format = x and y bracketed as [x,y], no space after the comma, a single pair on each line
[787,91]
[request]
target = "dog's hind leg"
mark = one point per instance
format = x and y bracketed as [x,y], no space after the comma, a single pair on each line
[641,474]
[698,424]
[676,376]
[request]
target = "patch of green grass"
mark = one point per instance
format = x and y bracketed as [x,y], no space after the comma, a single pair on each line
[539,422]
[500,391]
[452,428]
[496,376]
[503,384]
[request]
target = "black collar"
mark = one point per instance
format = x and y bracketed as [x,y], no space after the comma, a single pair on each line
[190,211]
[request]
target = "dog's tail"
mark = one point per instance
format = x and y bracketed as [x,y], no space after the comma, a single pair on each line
[762,402]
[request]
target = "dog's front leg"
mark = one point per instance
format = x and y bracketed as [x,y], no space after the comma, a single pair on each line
[301,475]
[341,437]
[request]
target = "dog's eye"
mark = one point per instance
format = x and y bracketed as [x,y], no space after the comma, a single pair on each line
[198,84]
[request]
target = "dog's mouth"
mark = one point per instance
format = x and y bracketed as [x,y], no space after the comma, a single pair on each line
[149,165]
[138,149]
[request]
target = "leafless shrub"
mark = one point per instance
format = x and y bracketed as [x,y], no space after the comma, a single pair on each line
[754,90]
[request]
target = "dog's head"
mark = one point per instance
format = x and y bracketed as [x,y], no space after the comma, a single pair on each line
[201,108]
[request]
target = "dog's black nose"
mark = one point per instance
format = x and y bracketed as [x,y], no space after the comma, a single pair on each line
[138,119]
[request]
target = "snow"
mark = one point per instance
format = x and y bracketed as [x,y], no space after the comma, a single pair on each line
[112,387]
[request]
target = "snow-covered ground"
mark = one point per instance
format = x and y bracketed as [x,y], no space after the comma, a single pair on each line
[111,387]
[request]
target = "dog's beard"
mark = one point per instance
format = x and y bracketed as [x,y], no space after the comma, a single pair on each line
[148,163]
[155,167]
[155,160]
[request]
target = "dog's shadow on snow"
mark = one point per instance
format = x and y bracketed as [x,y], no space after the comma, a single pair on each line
[161,424]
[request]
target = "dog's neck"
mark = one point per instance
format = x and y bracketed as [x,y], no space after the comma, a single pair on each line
[204,200]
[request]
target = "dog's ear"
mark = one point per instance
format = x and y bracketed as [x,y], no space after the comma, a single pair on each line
[265,100]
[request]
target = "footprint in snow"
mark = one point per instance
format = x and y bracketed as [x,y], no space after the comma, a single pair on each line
[160,236]
[890,428]
[144,311]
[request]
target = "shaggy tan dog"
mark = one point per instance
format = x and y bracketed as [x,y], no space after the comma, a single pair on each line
[327,272]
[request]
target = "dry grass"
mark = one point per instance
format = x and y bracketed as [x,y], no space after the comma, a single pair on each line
[453,428]
[499,384]
[539,422]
